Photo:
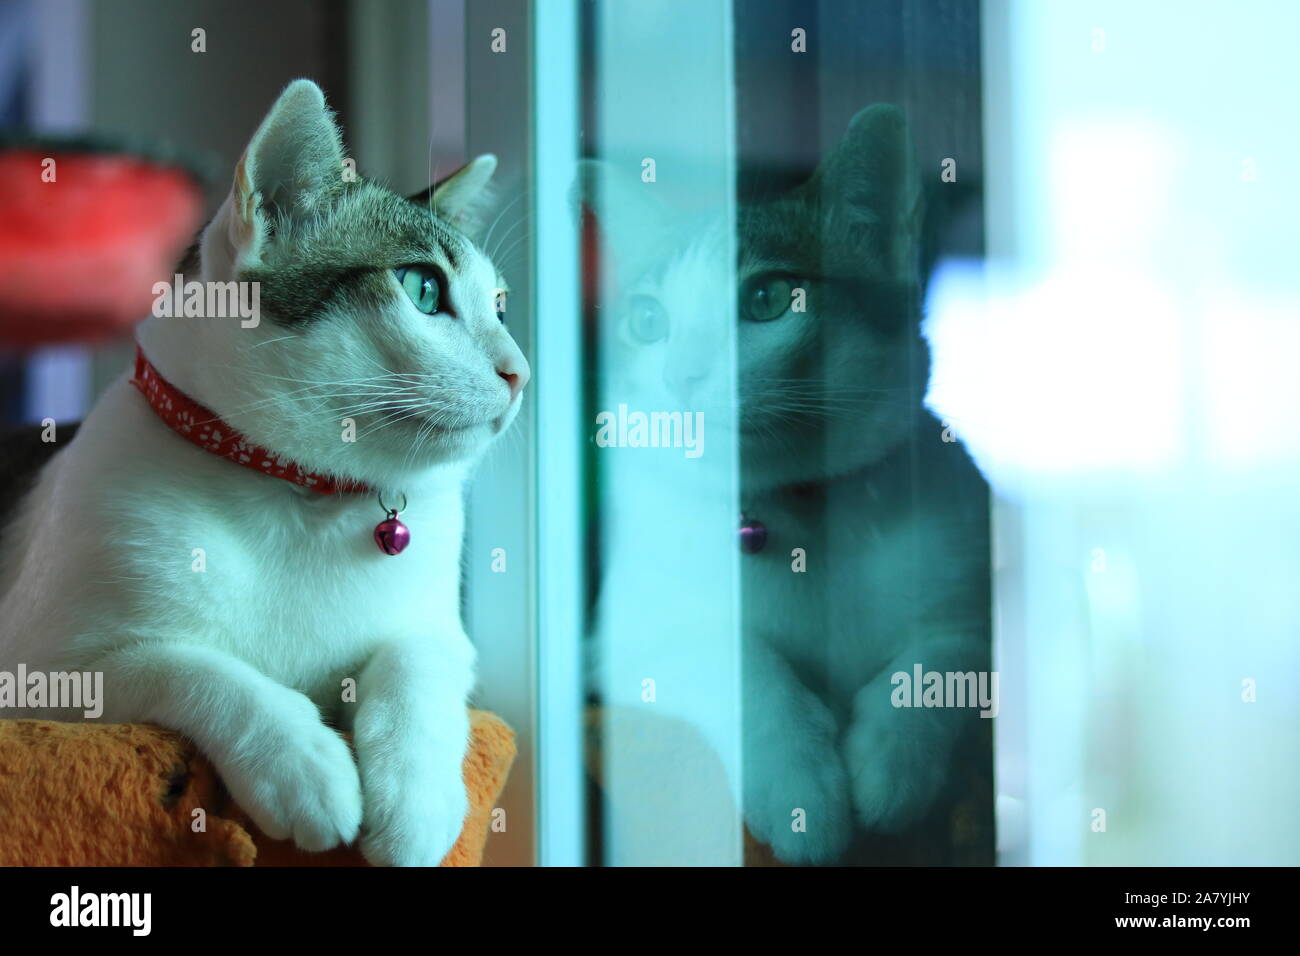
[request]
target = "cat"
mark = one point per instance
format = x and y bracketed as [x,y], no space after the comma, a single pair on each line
[256,615]
[876,551]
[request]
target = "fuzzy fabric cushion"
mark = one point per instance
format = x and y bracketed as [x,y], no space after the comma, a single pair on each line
[138,795]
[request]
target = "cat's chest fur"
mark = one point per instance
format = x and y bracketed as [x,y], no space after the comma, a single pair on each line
[132,532]
[856,567]
[853,569]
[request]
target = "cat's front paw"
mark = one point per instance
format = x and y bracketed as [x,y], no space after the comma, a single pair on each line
[413,817]
[797,802]
[299,782]
[896,758]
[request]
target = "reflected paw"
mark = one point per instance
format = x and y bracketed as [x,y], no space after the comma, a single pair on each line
[896,761]
[799,806]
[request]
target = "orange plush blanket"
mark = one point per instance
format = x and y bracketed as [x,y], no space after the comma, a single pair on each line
[137,795]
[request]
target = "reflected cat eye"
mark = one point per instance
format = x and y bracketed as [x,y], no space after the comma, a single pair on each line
[647,321]
[766,296]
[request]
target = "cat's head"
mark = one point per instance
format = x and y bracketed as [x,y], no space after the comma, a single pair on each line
[829,363]
[379,349]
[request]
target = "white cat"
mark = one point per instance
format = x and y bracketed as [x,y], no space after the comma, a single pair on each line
[241,609]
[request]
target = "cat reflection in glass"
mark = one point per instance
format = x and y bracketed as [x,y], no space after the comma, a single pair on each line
[863,526]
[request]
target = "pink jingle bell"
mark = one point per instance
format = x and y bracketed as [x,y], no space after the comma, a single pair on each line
[391,535]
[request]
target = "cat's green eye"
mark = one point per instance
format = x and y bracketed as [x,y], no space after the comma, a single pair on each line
[422,287]
[647,321]
[766,297]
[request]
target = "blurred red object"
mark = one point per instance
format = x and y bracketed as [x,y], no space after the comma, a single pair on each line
[83,241]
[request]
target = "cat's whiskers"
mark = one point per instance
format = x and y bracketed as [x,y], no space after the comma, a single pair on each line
[504,259]
[407,411]
[801,402]
[487,239]
[425,431]
[329,391]
[804,384]
[375,389]
[396,401]
[382,400]
[392,417]
[417,442]
[369,399]
[507,237]
[282,338]
[244,370]
[826,401]
[388,376]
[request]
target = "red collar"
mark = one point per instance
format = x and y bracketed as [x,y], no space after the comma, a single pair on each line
[198,425]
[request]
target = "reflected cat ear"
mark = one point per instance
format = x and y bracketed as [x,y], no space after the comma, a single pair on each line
[463,198]
[871,175]
[627,212]
[292,165]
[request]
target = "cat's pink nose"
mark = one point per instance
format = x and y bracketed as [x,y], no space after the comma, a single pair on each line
[516,379]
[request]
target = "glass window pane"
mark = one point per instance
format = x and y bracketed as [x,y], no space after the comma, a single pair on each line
[791,549]
[664,658]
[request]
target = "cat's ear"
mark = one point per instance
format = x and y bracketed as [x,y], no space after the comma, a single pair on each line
[871,176]
[291,167]
[463,198]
